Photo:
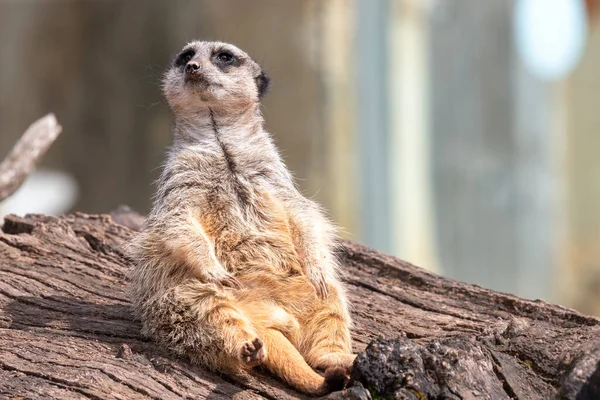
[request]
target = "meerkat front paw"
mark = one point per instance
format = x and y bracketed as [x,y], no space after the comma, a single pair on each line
[253,352]
[229,281]
[219,276]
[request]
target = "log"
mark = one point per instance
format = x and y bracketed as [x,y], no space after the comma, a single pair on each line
[67,332]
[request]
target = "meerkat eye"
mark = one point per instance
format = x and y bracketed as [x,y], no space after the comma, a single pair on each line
[184,57]
[225,57]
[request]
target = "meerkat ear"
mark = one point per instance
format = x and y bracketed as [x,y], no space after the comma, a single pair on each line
[263,82]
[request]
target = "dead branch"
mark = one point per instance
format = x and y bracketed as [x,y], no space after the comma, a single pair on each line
[27,153]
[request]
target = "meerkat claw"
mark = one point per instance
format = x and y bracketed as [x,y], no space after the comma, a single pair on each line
[230,282]
[253,353]
[320,287]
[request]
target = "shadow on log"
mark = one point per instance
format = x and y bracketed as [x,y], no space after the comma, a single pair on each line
[66,330]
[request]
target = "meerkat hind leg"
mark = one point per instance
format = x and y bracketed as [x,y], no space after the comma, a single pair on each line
[253,352]
[192,311]
[326,341]
[285,361]
[268,315]
[280,331]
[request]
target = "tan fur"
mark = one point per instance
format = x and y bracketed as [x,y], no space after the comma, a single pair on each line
[234,267]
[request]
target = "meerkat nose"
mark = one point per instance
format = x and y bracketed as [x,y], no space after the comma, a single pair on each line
[192,67]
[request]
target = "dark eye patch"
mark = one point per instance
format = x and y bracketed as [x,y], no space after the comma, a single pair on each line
[184,57]
[225,59]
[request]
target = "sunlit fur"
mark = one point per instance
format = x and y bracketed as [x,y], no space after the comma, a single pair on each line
[231,251]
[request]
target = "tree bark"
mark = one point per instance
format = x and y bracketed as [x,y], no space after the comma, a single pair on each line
[66,329]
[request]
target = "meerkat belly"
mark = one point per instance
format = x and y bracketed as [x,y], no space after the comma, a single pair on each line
[253,253]
[252,233]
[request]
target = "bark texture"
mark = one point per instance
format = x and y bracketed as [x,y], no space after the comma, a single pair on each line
[66,330]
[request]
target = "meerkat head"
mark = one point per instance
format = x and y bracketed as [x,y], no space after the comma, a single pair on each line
[215,75]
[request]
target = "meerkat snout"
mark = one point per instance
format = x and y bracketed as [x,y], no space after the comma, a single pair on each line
[194,76]
[192,68]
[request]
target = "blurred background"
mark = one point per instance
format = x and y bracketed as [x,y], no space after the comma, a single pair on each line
[460,135]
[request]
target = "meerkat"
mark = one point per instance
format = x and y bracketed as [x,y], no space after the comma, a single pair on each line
[234,267]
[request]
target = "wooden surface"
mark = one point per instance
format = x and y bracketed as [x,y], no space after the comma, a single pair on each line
[66,330]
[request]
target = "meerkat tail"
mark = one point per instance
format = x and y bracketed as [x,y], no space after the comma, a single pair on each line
[286,362]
